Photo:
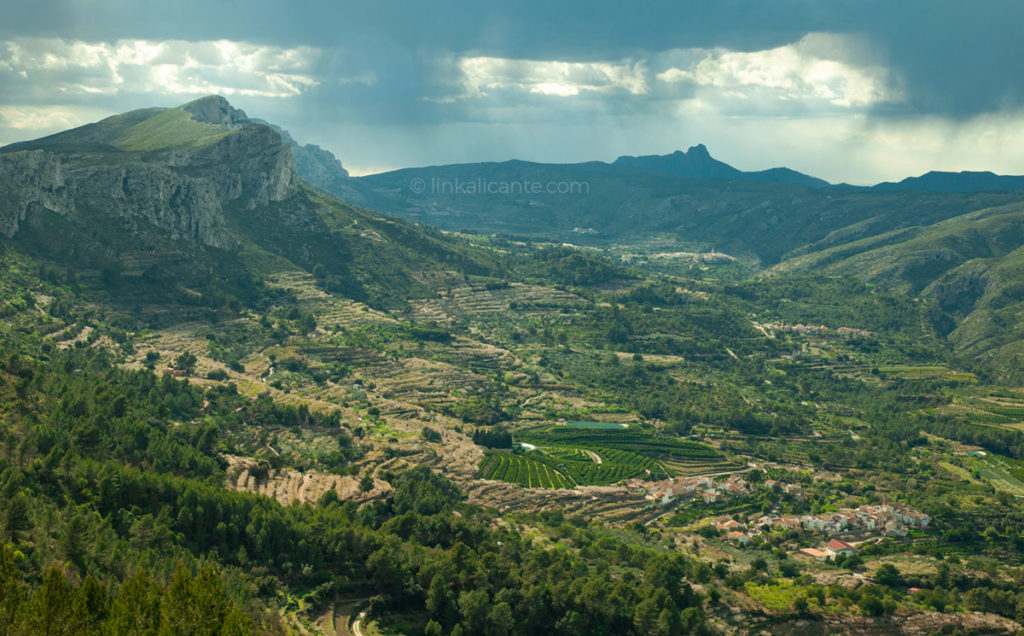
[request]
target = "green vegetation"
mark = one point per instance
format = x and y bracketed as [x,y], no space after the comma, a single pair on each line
[527,471]
[592,456]
[171,129]
[310,421]
[140,490]
[596,425]
[623,439]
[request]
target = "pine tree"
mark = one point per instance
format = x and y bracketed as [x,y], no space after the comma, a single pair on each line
[13,596]
[73,541]
[16,517]
[137,607]
[437,596]
[50,607]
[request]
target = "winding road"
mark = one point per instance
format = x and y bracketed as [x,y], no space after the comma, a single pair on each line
[355,623]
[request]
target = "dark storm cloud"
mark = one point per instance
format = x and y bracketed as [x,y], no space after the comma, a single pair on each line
[850,90]
[953,58]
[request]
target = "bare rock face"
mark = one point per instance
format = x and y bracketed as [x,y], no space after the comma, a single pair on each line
[216,110]
[181,207]
[179,195]
[252,167]
[30,179]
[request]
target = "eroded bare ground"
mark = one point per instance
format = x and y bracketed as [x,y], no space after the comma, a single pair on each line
[405,393]
[288,486]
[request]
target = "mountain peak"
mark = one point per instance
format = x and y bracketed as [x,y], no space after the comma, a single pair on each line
[214,109]
[697,163]
[700,150]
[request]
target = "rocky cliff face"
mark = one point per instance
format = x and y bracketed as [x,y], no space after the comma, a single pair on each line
[251,167]
[320,168]
[30,180]
[180,195]
[216,110]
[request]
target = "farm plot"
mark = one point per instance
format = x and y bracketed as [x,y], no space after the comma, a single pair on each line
[581,467]
[1002,472]
[523,470]
[568,456]
[1013,412]
[989,412]
[622,439]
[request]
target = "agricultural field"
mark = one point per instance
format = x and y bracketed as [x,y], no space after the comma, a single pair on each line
[522,470]
[907,372]
[647,443]
[599,456]
[1005,474]
[998,410]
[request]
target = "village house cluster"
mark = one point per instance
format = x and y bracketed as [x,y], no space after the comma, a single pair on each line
[797,328]
[706,489]
[802,329]
[888,520]
[891,521]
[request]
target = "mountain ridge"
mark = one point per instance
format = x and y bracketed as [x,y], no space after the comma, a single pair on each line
[963,181]
[216,194]
[324,170]
[697,163]
[201,191]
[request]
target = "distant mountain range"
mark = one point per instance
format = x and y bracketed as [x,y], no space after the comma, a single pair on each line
[953,239]
[956,182]
[758,216]
[697,163]
[175,198]
[321,168]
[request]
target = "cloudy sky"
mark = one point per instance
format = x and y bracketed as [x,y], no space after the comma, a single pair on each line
[858,91]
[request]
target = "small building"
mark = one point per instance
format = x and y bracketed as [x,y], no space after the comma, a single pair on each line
[812,523]
[735,488]
[685,490]
[895,529]
[814,553]
[790,523]
[836,547]
[738,538]
[910,517]
[729,524]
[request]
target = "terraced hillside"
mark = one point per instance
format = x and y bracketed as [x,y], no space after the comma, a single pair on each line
[475,300]
[970,266]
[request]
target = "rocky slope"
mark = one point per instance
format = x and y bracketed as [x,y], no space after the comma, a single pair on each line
[202,193]
[172,190]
